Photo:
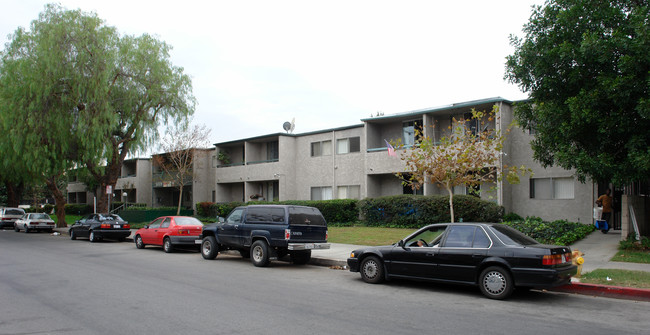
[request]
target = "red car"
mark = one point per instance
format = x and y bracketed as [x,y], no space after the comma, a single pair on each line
[169,231]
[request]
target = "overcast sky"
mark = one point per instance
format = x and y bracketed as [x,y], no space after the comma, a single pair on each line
[256,64]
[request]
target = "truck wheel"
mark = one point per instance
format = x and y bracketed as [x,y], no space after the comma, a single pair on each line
[209,247]
[260,253]
[300,257]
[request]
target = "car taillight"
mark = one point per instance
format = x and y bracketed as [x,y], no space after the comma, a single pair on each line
[104,225]
[327,235]
[556,259]
[183,232]
[127,226]
[287,234]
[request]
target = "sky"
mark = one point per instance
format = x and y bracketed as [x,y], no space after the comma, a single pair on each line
[257,64]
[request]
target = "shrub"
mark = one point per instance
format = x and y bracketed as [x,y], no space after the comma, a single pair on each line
[414,211]
[334,211]
[78,209]
[512,217]
[631,243]
[559,232]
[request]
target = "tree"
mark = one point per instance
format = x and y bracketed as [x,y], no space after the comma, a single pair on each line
[178,157]
[74,93]
[145,91]
[463,158]
[52,79]
[586,67]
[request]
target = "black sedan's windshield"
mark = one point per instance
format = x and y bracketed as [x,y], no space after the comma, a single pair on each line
[510,236]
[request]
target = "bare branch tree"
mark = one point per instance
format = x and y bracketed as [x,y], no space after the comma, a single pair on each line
[178,155]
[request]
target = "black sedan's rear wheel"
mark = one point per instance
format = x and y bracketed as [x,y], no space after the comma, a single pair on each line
[73,236]
[496,283]
[372,270]
[92,237]
[209,247]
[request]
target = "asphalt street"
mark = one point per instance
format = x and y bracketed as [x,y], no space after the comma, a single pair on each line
[53,285]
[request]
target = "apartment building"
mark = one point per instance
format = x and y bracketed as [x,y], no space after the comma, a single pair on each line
[352,162]
[198,185]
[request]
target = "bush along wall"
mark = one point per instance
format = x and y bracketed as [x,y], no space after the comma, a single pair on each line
[334,211]
[558,232]
[414,211]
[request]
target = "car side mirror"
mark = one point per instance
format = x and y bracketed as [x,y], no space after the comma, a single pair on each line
[221,219]
[401,244]
[146,227]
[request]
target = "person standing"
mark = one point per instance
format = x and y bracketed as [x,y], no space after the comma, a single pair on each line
[605,201]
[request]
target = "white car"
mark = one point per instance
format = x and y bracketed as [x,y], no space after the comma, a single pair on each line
[34,221]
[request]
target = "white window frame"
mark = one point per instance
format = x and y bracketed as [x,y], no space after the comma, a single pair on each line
[324,193]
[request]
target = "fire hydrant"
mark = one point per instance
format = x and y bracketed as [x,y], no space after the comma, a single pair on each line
[576,259]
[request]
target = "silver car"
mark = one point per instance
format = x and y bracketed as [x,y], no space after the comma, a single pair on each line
[34,222]
[9,215]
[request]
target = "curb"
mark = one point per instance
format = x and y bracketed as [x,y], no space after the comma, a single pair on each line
[617,292]
[327,262]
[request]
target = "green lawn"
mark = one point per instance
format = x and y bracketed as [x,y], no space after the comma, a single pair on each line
[367,235]
[632,256]
[624,278]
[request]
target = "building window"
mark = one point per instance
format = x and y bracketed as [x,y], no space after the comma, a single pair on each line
[347,145]
[272,151]
[321,193]
[552,188]
[323,148]
[349,192]
[408,132]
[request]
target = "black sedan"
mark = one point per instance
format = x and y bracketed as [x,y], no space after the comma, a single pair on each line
[494,257]
[100,226]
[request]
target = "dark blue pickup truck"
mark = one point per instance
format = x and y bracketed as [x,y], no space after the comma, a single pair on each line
[267,232]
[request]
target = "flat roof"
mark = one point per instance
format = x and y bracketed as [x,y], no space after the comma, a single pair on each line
[440,108]
[360,125]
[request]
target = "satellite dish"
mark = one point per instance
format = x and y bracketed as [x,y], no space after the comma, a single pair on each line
[293,125]
[286,126]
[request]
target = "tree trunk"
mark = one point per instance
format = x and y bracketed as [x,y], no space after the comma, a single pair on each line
[14,193]
[451,202]
[180,200]
[59,202]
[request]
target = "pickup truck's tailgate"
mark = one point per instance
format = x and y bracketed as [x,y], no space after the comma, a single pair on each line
[304,233]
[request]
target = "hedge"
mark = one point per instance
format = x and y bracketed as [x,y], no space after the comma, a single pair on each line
[558,232]
[334,211]
[414,211]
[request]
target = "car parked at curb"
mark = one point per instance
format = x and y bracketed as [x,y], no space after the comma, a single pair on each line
[169,232]
[494,257]
[97,227]
[267,232]
[34,222]
[9,215]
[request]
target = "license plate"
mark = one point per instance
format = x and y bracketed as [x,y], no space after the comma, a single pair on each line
[309,246]
[117,226]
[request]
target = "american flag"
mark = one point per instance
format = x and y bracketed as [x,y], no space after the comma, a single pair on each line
[391,150]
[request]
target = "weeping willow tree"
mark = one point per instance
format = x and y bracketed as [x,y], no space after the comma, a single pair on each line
[74,93]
